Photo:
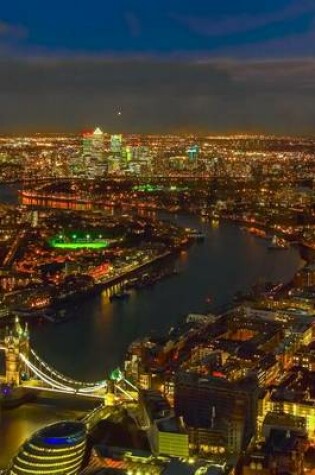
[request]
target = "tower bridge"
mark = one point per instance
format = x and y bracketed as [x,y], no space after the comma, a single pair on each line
[24,367]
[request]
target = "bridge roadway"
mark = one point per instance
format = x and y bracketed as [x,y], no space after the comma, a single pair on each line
[101,413]
[94,404]
[37,386]
[42,376]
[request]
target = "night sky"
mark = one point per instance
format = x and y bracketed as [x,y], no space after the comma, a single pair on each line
[167,65]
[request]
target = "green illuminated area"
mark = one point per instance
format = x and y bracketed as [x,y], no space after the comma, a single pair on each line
[79,245]
[148,188]
[78,241]
[116,375]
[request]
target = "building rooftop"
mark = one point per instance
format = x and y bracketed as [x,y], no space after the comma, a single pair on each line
[170,424]
[281,441]
[61,432]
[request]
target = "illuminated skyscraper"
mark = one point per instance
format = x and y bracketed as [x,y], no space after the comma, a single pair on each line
[129,153]
[93,144]
[192,153]
[116,144]
[93,153]
[57,449]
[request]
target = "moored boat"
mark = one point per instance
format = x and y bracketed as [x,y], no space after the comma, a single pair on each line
[278,244]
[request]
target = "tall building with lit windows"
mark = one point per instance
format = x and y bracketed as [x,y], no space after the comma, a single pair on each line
[219,415]
[93,144]
[193,152]
[57,449]
[116,144]
[93,161]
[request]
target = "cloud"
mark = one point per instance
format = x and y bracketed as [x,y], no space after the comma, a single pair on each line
[293,45]
[157,96]
[245,22]
[11,31]
[133,24]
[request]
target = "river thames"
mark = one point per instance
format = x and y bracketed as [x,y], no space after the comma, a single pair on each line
[228,260]
[95,340]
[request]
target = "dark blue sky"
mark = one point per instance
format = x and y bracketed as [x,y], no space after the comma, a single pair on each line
[69,48]
[161,27]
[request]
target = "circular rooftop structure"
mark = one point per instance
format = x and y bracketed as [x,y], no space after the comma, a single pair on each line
[56,449]
[61,433]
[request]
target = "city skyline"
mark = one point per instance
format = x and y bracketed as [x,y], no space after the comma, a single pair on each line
[150,285]
[157,237]
[156,67]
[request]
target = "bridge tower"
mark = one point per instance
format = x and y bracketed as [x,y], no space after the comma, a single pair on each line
[16,342]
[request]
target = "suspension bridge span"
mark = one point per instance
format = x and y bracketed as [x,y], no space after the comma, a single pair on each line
[24,367]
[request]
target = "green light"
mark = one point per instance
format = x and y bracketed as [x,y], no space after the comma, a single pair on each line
[79,245]
[148,188]
[78,240]
[116,375]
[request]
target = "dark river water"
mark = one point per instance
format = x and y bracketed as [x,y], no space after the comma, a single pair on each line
[95,340]
[228,260]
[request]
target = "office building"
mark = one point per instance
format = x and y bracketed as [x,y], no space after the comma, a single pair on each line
[220,415]
[93,144]
[116,144]
[93,153]
[282,453]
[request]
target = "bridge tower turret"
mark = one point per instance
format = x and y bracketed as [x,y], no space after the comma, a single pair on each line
[16,342]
